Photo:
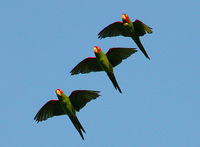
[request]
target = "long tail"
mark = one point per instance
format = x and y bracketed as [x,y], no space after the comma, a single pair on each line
[114,81]
[77,125]
[139,44]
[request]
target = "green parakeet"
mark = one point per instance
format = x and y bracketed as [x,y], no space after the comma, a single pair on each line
[67,106]
[104,62]
[127,28]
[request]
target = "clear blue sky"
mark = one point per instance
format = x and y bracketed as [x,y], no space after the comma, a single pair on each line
[40,42]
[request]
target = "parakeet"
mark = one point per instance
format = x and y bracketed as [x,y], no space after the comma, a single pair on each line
[67,106]
[104,62]
[127,28]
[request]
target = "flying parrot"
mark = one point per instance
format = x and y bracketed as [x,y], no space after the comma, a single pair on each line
[67,106]
[104,62]
[127,28]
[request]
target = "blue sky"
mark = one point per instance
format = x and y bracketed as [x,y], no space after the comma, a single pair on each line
[42,41]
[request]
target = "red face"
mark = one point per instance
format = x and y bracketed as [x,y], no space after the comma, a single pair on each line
[59,92]
[125,17]
[96,49]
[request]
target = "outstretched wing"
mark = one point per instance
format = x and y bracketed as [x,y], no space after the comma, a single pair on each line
[50,109]
[141,28]
[116,55]
[89,64]
[114,29]
[79,98]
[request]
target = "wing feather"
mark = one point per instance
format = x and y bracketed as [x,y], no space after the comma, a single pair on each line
[114,29]
[50,109]
[79,98]
[116,55]
[88,65]
[141,28]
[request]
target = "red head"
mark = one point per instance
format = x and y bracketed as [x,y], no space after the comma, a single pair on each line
[96,49]
[59,92]
[125,18]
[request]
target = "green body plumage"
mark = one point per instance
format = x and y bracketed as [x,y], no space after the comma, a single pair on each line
[105,64]
[66,105]
[69,109]
[132,31]
[103,61]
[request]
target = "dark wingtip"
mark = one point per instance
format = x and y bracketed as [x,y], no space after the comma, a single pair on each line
[99,37]
[72,73]
[37,120]
[97,92]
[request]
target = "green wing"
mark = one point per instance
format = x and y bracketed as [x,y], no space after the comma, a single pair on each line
[88,65]
[79,98]
[141,28]
[114,29]
[50,109]
[116,55]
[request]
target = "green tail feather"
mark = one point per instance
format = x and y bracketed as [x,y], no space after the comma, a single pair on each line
[114,81]
[77,125]
[139,44]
